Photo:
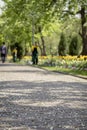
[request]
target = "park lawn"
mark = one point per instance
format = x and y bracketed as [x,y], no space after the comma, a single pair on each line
[67,70]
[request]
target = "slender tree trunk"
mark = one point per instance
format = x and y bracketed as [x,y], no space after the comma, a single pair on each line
[84,31]
[40,48]
[43,43]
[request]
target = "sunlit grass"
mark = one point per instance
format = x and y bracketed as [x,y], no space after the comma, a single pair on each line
[67,70]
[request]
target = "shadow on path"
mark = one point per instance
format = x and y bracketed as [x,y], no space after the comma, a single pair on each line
[43,105]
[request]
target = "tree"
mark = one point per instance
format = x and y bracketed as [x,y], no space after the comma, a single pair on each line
[42,12]
[62,45]
[74,48]
[20,14]
[83,33]
[71,8]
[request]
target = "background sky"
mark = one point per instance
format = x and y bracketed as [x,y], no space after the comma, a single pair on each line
[1,4]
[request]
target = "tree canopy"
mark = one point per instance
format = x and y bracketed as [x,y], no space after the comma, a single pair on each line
[26,21]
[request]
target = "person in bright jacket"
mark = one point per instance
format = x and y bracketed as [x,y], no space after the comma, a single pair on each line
[14,54]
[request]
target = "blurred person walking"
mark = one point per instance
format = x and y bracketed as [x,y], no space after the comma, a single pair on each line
[3,51]
[35,55]
[14,54]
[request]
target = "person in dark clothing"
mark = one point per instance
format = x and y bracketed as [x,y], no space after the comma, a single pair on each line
[35,56]
[3,50]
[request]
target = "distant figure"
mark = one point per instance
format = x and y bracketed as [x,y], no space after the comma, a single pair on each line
[3,50]
[14,54]
[35,56]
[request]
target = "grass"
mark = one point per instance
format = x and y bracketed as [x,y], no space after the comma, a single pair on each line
[67,70]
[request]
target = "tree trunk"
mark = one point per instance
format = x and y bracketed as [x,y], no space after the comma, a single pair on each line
[84,31]
[44,48]
[40,48]
[43,43]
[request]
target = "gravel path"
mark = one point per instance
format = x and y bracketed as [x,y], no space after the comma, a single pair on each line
[35,99]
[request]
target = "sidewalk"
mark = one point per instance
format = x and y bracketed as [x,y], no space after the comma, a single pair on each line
[35,99]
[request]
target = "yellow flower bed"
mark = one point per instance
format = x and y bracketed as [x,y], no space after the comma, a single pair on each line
[80,58]
[27,57]
[9,57]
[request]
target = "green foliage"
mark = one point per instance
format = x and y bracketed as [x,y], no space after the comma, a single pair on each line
[62,45]
[75,46]
[83,66]
[19,16]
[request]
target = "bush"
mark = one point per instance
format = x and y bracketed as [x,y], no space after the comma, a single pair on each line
[62,45]
[74,47]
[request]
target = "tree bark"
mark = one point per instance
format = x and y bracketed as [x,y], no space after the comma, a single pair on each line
[84,31]
[40,48]
[43,42]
